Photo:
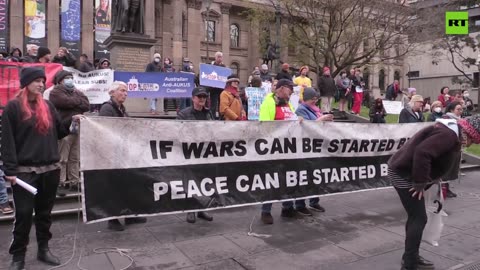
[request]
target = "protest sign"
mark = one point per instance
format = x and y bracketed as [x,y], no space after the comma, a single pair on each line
[214,76]
[295,97]
[157,84]
[152,167]
[392,107]
[10,78]
[255,97]
[94,84]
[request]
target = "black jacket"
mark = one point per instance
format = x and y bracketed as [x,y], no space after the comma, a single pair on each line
[22,145]
[428,155]
[67,61]
[283,75]
[29,59]
[112,109]
[190,113]
[86,66]
[68,102]
[326,86]
[408,116]
[154,67]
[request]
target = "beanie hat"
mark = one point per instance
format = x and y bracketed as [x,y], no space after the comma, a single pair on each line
[61,75]
[471,126]
[42,51]
[157,55]
[233,78]
[30,74]
[411,90]
[309,93]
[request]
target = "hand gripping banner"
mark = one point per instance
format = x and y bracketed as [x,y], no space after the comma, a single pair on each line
[151,167]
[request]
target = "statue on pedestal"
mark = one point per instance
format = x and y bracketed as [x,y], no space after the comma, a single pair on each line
[128,16]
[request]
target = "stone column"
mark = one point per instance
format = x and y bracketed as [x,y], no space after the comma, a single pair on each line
[53,26]
[88,34]
[253,50]
[150,18]
[195,33]
[225,32]
[17,24]
[167,35]
[177,34]
[284,41]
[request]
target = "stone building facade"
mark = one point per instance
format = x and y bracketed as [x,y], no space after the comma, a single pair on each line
[179,28]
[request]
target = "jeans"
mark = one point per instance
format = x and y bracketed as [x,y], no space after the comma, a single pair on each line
[417,219]
[3,190]
[267,207]
[26,203]
[300,204]
[153,104]
[70,159]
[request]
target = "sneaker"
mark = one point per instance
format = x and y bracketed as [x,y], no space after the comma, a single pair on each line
[304,212]
[191,217]
[267,218]
[135,220]
[288,213]
[318,208]
[115,225]
[204,216]
[6,209]
[450,194]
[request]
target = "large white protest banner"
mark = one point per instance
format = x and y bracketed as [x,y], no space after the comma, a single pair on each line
[153,167]
[93,84]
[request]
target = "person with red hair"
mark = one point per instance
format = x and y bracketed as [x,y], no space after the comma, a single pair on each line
[31,129]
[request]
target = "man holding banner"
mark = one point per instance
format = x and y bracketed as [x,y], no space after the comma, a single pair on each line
[197,112]
[276,106]
[215,92]
[115,108]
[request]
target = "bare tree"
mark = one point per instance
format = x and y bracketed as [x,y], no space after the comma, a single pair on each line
[343,34]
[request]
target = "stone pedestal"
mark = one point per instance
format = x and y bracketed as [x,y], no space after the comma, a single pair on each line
[128,51]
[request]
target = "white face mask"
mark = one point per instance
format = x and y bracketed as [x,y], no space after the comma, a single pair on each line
[68,83]
[437,109]
[157,60]
[466,94]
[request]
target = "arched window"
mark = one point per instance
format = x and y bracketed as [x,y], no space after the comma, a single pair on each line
[235,67]
[396,75]
[366,78]
[234,35]
[381,80]
[210,31]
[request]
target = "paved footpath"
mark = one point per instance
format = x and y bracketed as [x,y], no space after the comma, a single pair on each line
[360,231]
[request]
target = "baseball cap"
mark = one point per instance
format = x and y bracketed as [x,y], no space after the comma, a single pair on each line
[286,83]
[197,91]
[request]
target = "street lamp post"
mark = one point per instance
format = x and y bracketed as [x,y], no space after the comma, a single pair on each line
[409,75]
[278,15]
[208,4]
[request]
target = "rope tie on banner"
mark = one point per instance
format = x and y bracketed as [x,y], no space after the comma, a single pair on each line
[259,235]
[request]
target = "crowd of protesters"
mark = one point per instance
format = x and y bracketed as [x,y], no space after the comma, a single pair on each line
[47,153]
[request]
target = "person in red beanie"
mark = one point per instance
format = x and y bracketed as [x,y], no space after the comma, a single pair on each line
[327,88]
[423,160]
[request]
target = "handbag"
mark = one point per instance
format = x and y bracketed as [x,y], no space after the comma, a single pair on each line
[434,201]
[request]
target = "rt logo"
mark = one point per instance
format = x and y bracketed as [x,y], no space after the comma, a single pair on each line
[456,23]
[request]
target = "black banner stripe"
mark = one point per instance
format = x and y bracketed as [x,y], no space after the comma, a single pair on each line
[125,192]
